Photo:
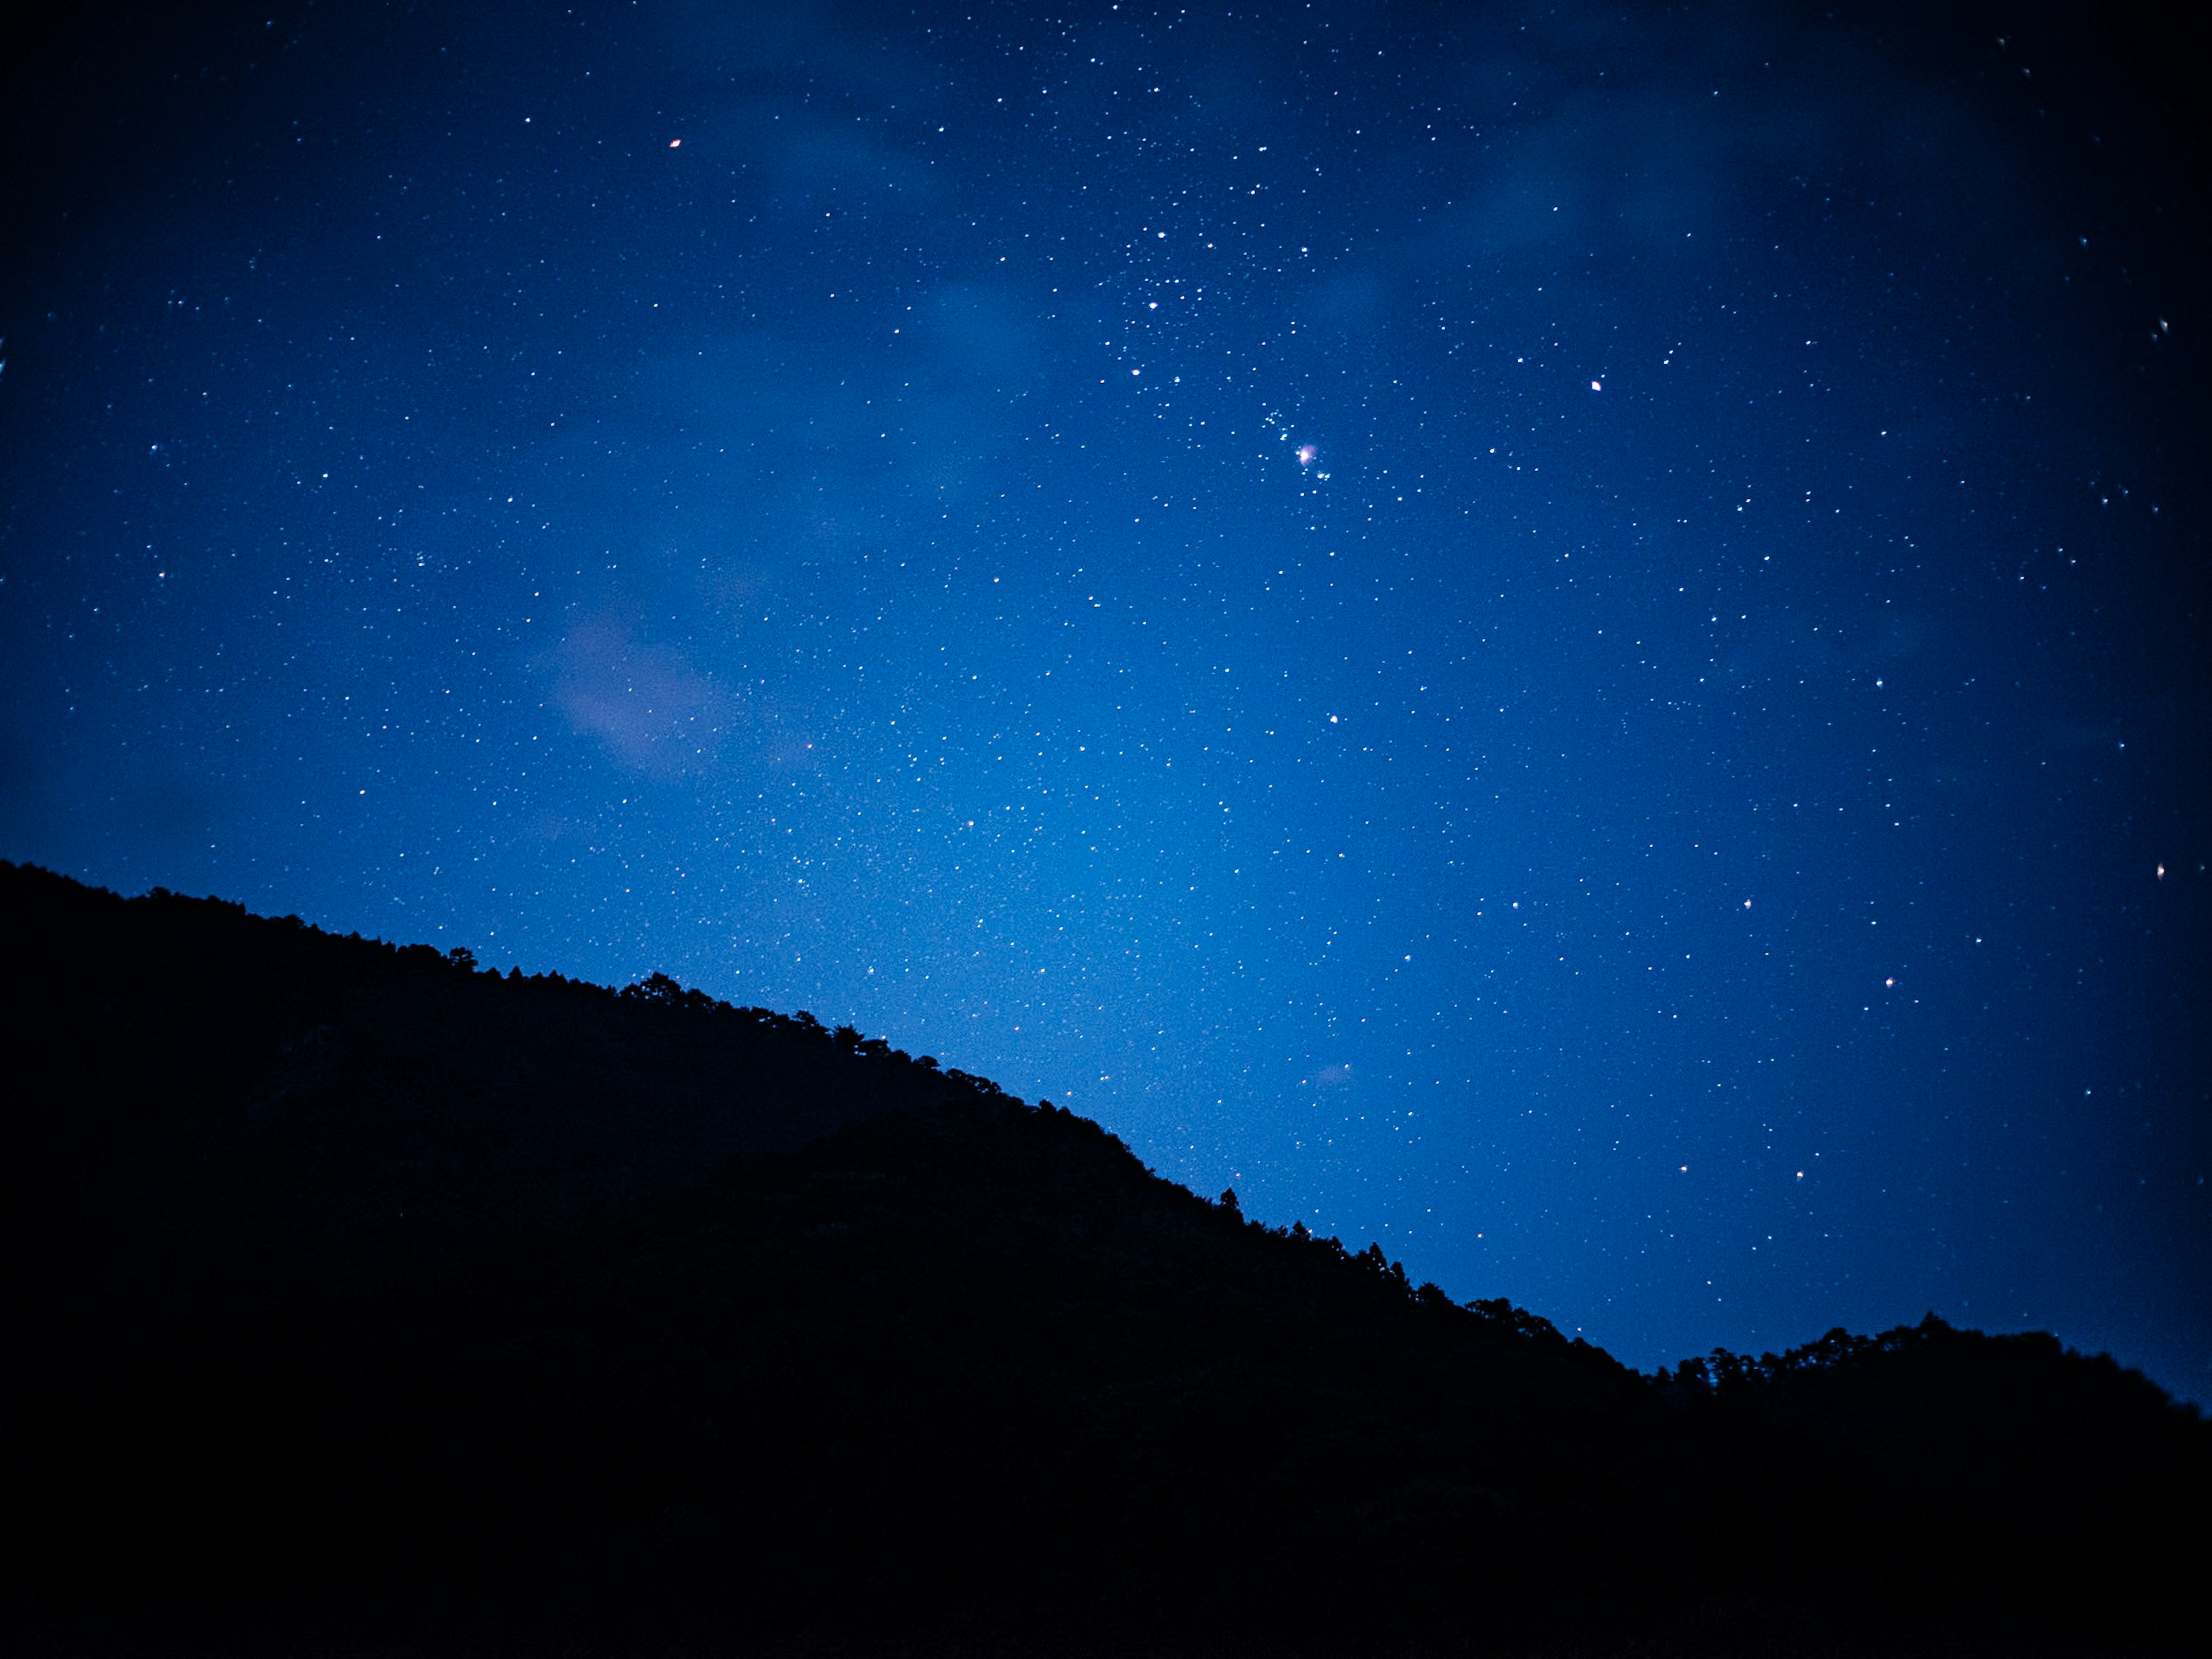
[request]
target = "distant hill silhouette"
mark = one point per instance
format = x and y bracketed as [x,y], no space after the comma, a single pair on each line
[349,1288]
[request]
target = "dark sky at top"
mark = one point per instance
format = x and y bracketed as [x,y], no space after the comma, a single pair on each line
[1571,639]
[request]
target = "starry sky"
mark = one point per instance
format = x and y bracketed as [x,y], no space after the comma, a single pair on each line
[1569,638]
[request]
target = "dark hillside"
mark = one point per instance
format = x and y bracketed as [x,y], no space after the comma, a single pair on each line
[223,1083]
[714,1321]
[977,1352]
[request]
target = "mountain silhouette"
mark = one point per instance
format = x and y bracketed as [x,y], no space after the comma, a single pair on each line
[351,1288]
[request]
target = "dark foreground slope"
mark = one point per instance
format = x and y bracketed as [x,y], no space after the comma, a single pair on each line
[257,1093]
[658,1353]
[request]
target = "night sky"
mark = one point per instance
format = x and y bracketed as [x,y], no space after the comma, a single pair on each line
[1573,641]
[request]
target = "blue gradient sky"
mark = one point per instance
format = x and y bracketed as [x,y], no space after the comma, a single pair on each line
[1571,642]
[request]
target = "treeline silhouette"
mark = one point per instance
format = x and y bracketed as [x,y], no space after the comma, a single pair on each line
[349,1284]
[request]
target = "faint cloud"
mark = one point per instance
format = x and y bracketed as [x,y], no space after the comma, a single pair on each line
[1904,636]
[982,333]
[756,100]
[1354,304]
[646,704]
[1932,437]
[2082,738]
[1231,90]
[796,45]
[827,160]
[1621,136]
[810,163]
[167,813]
[839,448]
[549,827]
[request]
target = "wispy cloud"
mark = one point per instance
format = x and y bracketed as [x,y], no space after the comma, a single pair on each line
[646,704]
